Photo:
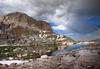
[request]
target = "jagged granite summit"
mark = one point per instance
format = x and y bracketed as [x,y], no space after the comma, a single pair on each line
[16,26]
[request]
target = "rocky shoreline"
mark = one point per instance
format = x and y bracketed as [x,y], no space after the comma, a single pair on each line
[85,58]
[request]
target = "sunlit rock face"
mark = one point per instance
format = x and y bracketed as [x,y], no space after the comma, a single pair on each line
[16,26]
[21,19]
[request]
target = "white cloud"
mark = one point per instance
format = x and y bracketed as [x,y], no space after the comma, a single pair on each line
[30,12]
[59,27]
[59,12]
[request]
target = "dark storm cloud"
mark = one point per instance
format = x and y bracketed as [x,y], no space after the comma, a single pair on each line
[36,7]
[86,7]
[49,7]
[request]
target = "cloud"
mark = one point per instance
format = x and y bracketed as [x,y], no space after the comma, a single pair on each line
[59,8]
[41,7]
[86,7]
[59,27]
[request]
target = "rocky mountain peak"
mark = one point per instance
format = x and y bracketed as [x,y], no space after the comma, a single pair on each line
[17,17]
[16,25]
[22,19]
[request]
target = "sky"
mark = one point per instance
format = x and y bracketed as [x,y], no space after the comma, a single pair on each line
[77,19]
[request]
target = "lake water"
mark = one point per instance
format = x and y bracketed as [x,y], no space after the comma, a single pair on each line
[67,49]
[73,47]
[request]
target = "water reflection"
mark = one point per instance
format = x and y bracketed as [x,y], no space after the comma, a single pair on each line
[67,49]
[73,47]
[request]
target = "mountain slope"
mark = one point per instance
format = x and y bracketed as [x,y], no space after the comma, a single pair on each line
[16,26]
[21,19]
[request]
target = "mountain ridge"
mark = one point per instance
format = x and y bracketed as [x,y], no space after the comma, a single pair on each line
[19,18]
[14,26]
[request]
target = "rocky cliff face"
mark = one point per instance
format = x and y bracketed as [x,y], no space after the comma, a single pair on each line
[15,26]
[21,19]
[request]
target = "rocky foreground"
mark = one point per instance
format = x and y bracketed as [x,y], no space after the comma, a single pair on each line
[85,58]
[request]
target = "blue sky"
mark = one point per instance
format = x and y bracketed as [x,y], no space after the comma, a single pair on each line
[83,27]
[78,19]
